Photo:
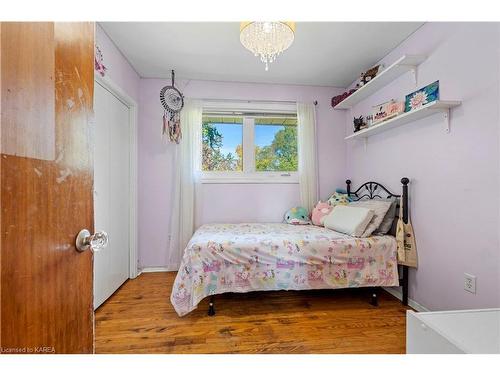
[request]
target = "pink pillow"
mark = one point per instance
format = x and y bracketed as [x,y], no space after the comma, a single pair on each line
[319,212]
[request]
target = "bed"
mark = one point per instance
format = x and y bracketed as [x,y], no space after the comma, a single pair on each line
[239,258]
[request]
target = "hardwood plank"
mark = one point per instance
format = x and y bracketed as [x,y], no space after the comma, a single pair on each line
[139,318]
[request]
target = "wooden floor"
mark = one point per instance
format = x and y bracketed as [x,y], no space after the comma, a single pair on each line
[139,318]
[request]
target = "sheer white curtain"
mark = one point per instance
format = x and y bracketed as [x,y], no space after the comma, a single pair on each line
[187,164]
[308,174]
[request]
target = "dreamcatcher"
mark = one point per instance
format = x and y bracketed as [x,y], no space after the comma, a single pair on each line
[172,101]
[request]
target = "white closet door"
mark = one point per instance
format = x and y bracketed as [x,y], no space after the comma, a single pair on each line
[111,192]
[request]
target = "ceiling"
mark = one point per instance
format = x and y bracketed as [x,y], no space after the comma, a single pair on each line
[323,53]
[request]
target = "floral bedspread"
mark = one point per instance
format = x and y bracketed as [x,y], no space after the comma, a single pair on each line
[224,258]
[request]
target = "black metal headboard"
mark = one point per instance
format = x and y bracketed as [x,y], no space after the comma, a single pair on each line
[371,190]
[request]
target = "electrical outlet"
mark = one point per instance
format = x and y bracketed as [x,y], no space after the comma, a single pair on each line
[470,283]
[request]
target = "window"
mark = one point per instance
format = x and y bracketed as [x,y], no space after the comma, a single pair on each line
[249,147]
[276,144]
[222,147]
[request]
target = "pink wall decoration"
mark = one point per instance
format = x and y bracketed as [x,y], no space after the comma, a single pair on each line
[99,62]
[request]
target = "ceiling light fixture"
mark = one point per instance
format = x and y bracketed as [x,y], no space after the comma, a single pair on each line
[267,39]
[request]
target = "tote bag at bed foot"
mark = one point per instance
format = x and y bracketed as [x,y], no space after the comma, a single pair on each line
[405,238]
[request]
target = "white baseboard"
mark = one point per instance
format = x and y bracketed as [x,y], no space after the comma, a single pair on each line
[169,268]
[396,292]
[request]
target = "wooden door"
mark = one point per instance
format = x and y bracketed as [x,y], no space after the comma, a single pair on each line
[47,83]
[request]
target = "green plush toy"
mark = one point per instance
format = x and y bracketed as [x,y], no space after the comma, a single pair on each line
[339,198]
[297,216]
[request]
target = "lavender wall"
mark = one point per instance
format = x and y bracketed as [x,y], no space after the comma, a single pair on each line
[454,177]
[117,67]
[227,202]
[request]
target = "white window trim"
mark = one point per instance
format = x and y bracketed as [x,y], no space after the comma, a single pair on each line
[248,144]
[249,176]
[249,106]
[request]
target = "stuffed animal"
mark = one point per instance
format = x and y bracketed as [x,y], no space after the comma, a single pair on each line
[337,99]
[339,199]
[359,123]
[297,216]
[320,211]
[369,74]
[343,191]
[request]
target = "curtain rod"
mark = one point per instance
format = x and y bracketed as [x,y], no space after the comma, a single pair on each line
[253,101]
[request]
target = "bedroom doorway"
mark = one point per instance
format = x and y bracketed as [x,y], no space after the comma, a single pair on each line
[114,188]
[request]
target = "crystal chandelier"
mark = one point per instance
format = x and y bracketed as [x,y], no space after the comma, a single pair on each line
[267,39]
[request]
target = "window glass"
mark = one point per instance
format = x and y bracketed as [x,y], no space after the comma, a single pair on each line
[276,144]
[222,148]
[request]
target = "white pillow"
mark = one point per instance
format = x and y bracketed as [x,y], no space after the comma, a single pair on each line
[349,220]
[379,207]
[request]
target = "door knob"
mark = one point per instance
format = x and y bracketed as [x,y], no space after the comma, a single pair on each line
[94,242]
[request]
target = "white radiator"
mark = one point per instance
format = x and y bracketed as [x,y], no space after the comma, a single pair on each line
[462,331]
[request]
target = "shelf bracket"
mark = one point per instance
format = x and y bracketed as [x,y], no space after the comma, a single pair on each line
[446,118]
[414,74]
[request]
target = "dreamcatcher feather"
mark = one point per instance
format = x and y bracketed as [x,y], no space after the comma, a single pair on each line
[173,102]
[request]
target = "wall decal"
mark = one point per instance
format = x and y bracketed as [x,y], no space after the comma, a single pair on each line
[99,62]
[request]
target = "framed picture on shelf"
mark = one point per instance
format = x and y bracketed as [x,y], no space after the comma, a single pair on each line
[386,111]
[420,98]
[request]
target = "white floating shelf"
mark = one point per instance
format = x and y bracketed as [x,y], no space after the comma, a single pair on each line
[438,106]
[405,64]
